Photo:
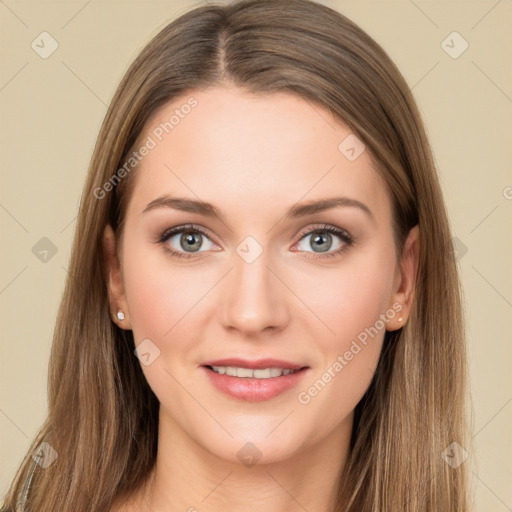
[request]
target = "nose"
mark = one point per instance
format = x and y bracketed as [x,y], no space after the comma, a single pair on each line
[255,299]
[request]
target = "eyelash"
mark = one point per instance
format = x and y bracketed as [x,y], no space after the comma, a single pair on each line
[347,239]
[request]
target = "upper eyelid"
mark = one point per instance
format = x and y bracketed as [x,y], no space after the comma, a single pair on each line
[307,231]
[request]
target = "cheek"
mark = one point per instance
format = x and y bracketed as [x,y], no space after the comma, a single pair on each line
[150,300]
[348,298]
[160,297]
[351,304]
[163,307]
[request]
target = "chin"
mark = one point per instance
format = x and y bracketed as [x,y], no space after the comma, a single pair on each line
[252,450]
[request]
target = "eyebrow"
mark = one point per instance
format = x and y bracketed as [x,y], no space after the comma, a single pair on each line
[296,211]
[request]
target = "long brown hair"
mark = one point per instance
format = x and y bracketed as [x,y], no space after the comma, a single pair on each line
[103,417]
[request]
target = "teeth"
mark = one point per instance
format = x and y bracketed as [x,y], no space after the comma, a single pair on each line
[230,370]
[266,373]
[244,372]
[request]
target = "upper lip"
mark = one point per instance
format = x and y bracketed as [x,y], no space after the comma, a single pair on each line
[257,364]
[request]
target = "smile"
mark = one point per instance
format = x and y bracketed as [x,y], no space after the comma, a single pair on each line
[253,384]
[263,373]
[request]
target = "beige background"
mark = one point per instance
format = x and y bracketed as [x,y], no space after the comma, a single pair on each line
[51,112]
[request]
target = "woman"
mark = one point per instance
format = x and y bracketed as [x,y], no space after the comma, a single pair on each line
[263,304]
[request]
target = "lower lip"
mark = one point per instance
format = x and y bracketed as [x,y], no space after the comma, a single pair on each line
[251,389]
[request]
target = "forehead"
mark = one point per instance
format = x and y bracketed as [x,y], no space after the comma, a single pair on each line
[250,150]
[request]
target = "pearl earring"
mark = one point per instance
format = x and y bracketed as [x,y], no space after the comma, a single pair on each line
[120,315]
[400,319]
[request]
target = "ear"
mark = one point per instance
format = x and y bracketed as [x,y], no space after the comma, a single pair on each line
[114,280]
[405,281]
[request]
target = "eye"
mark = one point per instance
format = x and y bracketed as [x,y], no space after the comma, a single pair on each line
[323,242]
[184,241]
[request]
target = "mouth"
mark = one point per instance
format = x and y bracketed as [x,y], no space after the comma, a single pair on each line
[254,381]
[252,373]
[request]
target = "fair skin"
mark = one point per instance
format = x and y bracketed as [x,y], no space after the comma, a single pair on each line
[253,158]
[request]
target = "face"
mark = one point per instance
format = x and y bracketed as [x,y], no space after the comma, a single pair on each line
[259,274]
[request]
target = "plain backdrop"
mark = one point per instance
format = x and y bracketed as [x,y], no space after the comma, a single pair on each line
[51,110]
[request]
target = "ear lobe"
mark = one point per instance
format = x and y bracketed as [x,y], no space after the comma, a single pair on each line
[406,279]
[114,280]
